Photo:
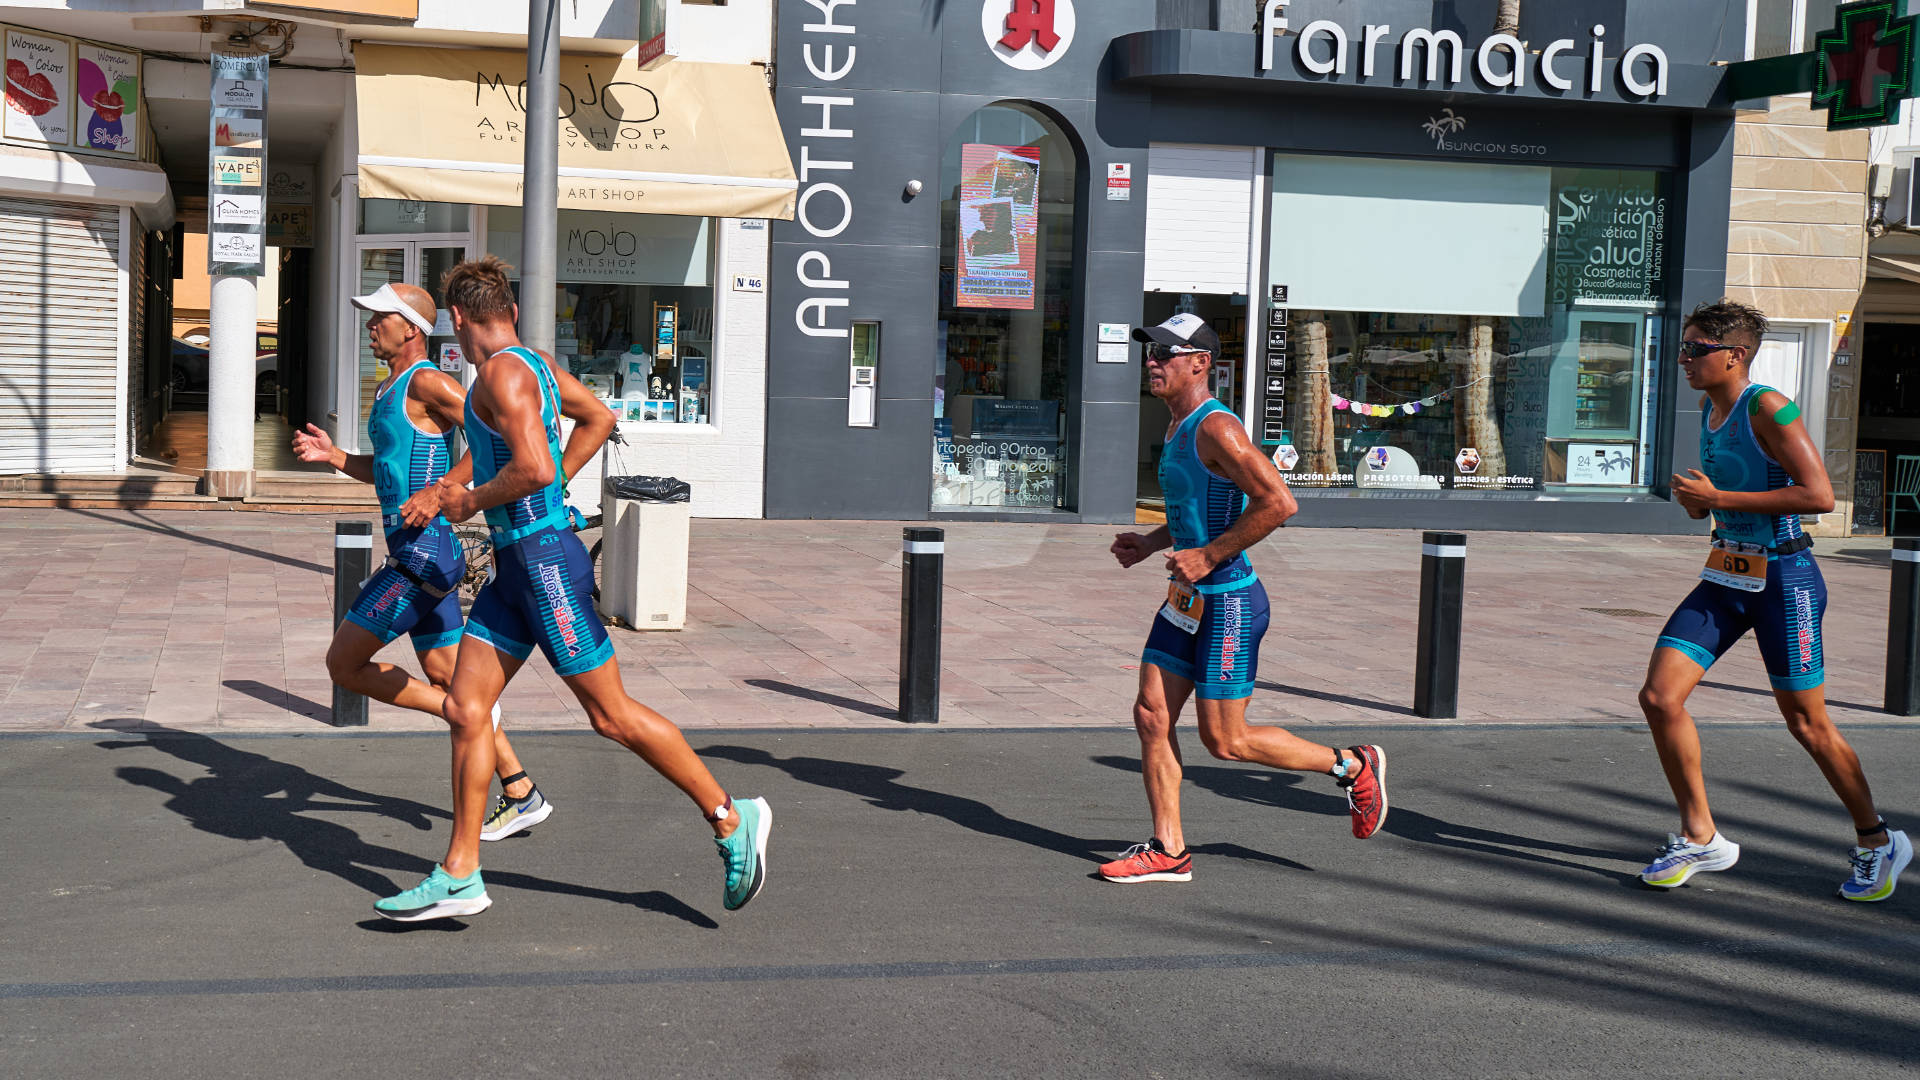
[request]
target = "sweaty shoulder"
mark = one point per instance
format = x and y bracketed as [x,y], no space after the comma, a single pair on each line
[1771,404]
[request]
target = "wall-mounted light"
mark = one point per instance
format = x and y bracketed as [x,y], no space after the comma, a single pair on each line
[914,187]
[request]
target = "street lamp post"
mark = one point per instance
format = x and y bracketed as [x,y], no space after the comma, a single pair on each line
[541,177]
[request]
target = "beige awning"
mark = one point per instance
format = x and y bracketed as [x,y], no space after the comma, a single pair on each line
[446,125]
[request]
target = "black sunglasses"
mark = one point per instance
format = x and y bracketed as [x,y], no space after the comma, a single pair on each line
[1694,350]
[1160,354]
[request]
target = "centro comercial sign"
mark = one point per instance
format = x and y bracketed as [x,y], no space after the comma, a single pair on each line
[1500,62]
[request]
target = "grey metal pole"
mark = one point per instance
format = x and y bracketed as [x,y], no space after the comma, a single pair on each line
[352,564]
[1436,663]
[1903,630]
[540,189]
[922,563]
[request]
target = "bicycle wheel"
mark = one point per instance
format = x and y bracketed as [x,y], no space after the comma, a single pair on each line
[594,555]
[476,544]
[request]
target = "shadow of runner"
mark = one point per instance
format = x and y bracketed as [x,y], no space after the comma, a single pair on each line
[880,786]
[250,796]
[1282,790]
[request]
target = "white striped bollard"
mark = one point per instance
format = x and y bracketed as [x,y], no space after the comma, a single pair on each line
[922,562]
[1443,578]
[352,566]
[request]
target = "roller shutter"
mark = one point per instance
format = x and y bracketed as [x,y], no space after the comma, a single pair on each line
[1199,218]
[60,340]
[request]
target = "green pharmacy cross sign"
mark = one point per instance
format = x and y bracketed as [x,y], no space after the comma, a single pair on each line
[1861,70]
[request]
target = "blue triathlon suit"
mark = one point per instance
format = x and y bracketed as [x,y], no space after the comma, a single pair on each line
[542,590]
[1221,656]
[405,460]
[1785,617]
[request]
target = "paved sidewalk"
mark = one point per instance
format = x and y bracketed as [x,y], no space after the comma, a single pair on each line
[220,622]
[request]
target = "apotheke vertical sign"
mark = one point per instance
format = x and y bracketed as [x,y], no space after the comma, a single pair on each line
[236,165]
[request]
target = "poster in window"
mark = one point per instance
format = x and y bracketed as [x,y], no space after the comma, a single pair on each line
[39,88]
[1609,238]
[999,225]
[106,97]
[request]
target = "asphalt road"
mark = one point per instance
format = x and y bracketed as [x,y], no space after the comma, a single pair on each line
[184,906]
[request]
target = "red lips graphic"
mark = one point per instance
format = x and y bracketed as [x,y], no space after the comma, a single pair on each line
[30,94]
[108,105]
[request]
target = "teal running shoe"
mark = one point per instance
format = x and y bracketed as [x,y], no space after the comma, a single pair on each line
[745,852]
[441,896]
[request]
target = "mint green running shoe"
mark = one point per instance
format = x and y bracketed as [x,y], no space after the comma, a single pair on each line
[745,852]
[440,896]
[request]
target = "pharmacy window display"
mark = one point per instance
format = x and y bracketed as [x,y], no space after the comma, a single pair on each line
[1006,290]
[1516,348]
[634,309]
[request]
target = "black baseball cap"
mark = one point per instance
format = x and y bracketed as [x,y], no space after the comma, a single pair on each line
[1183,331]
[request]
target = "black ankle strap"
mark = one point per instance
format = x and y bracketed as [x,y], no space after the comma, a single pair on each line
[1879,827]
[507,781]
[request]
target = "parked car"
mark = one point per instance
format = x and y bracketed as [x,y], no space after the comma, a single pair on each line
[190,369]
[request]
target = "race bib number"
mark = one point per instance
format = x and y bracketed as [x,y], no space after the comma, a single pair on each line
[1736,566]
[1184,606]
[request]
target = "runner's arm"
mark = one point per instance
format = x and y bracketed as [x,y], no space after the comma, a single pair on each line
[1224,447]
[1791,446]
[314,445]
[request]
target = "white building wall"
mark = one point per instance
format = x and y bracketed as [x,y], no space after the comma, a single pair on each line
[725,462]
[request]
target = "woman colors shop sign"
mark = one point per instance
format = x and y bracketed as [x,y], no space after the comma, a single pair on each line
[1501,61]
[70,94]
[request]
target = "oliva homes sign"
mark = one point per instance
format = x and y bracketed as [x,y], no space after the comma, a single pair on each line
[1499,62]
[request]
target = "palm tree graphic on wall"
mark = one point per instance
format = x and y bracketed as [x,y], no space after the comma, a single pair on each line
[1445,124]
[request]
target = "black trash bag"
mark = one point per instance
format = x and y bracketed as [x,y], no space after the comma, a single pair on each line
[656,489]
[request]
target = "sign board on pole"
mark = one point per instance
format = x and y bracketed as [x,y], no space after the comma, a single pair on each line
[659,32]
[237,165]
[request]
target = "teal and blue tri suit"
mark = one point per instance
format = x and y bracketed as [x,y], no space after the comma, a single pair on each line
[542,590]
[1785,616]
[400,598]
[1221,656]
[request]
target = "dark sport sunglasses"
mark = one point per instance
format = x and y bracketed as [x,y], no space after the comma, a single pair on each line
[1694,350]
[1160,354]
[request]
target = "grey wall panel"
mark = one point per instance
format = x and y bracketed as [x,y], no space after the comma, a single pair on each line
[1108,470]
[894,284]
[824,469]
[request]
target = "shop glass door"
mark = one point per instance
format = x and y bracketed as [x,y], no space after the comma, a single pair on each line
[386,261]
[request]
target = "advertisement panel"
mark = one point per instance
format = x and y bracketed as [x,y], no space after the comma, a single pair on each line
[236,165]
[999,224]
[107,99]
[39,88]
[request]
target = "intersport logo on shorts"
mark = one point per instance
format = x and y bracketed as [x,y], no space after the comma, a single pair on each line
[1230,646]
[561,605]
[1803,604]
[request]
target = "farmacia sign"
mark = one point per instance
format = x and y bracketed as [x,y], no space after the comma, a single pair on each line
[1499,62]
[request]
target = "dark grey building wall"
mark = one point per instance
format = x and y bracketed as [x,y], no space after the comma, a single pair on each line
[921,68]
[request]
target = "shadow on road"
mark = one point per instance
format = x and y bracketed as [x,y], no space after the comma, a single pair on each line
[1282,790]
[250,796]
[284,699]
[880,786]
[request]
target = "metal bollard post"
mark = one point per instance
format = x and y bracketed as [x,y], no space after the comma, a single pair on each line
[352,564]
[1903,630]
[922,561]
[1443,577]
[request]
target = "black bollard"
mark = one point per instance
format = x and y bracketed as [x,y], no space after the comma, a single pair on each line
[922,561]
[1443,578]
[1903,630]
[352,566]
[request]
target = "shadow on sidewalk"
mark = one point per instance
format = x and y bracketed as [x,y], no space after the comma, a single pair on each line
[835,700]
[880,786]
[1282,791]
[284,699]
[1768,694]
[250,796]
[1338,699]
[145,525]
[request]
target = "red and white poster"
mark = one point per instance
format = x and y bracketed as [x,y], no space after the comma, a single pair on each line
[39,88]
[999,225]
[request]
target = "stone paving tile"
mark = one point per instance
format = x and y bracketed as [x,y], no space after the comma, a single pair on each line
[221,622]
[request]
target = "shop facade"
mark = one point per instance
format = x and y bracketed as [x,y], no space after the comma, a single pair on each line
[1448,268]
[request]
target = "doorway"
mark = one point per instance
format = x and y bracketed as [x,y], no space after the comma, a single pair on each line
[1228,317]
[393,260]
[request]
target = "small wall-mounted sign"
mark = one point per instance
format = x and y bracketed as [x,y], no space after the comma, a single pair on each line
[1119,181]
[1114,332]
[749,283]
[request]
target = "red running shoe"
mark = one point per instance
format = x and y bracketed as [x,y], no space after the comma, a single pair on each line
[1148,862]
[1367,791]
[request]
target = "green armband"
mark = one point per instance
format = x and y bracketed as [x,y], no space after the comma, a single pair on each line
[1788,414]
